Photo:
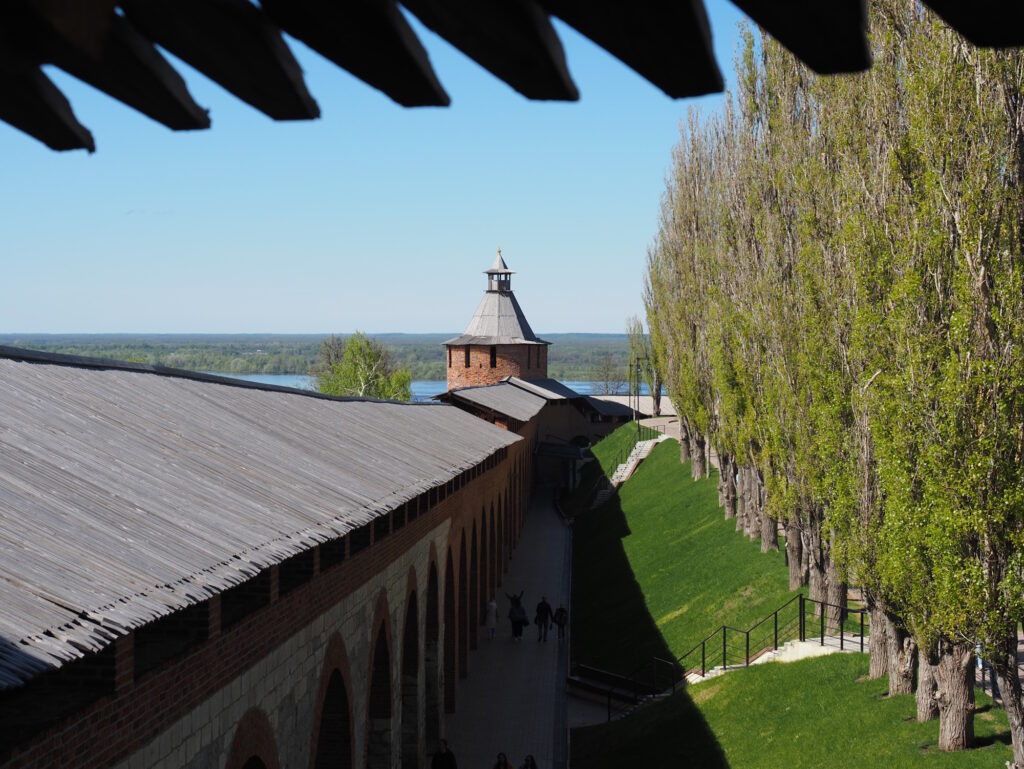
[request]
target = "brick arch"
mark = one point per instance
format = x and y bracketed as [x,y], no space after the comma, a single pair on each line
[377,749]
[449,614]
[431,653]
[254,739]
[335,661]
[474,588]
[463,604]
[409,675]
[486,589]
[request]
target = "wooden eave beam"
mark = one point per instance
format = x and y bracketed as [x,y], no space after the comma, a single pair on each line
[511,39]
[232,43]
[829,36]
[668,43]
[369,38]
[30,102]
[128,67]
[986,23]
[82,23]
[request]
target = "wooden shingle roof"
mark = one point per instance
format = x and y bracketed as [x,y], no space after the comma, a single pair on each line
[112,45]
[127,493]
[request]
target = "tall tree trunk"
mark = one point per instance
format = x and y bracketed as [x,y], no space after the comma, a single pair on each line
[729,473]
[955,674]
[656,395]
[1004,664]
[684,438]
[835,596]
[698,458]
[816,588]
[878,638]
[743,490]
[724,460]
[902,656]
[769,534]
[756,510]
[795,554]
[927,684]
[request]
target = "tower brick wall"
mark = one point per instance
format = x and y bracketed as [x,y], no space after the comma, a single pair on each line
[527,361]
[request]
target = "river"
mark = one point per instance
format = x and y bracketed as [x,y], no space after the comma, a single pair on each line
[422,389]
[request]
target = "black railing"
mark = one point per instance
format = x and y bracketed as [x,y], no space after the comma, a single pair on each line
[799,619]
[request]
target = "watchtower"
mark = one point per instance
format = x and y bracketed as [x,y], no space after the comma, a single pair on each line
[498,342]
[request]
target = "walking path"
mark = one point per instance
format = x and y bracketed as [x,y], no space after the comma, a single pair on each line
[513,700]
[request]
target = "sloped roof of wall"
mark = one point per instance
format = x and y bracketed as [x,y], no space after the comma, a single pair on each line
[503,398]
[128,492]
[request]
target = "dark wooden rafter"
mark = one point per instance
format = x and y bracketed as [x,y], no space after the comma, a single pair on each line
[123,64]
[234,44]
[988,23]
[111,44]
[512,39]
[668,43]
[30,102]
[369,38]
[829,36]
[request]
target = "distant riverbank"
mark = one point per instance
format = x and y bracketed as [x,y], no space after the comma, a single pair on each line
[422,389]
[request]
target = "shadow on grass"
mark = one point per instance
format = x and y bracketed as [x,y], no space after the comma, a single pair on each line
[611,626]
[671,733]
[613,630]
[1003,738]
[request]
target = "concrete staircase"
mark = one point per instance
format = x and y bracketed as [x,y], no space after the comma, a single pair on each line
[622,473]
[639,453]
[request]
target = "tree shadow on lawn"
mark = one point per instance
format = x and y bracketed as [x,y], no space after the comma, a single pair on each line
[670,733]
[613,630]
[611,626]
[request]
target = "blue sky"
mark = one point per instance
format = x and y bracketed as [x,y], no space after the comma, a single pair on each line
[374,217]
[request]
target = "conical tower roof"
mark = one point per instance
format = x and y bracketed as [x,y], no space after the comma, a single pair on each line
[498,318]
[499,267]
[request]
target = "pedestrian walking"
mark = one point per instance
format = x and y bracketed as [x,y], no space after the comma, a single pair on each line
[443,758]
[529,763]
[517,617]
[561,619]
[542,618]
[491,618]
[502,762]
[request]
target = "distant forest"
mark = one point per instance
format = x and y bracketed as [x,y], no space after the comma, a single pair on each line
[572,356]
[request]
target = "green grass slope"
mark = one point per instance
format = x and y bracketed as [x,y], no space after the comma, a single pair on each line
[814,713]
[658,568]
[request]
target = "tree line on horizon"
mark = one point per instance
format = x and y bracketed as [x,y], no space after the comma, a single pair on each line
[835,300]
[583,357]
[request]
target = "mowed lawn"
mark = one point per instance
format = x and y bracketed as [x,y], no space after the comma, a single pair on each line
[813,713]
[658,568]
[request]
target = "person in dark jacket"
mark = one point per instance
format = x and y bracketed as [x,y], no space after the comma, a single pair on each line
[561,619]
[443,758]
[542,618]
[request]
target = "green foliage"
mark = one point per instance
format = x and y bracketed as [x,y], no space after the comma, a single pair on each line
[360,367]
[813,713]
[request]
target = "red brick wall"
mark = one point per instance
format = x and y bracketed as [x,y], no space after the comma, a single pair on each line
[511,360]
[117,725]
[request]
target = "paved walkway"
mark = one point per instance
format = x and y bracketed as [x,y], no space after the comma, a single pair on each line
[513,700]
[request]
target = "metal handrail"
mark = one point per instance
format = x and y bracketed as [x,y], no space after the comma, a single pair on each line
[802,632]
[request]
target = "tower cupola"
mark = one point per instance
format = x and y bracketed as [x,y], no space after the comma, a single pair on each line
[499,277]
